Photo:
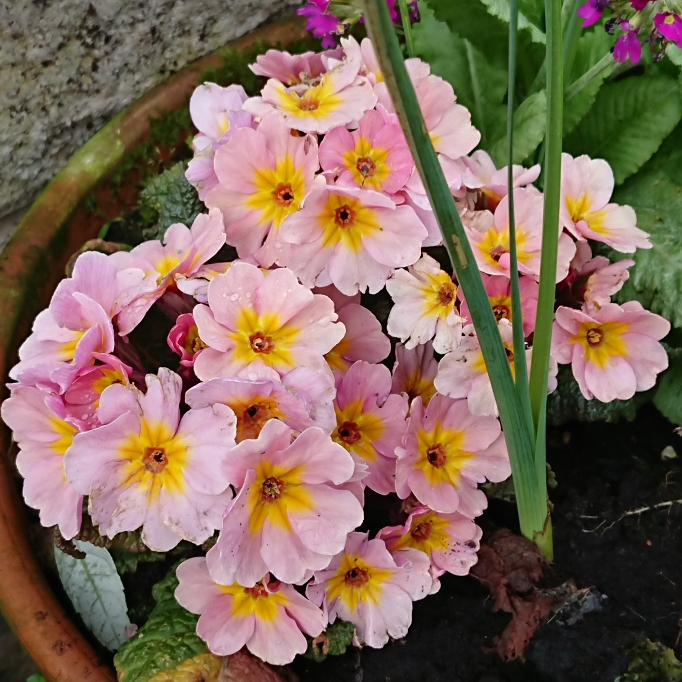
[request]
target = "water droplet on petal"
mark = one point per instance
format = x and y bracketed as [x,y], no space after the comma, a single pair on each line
[234,297]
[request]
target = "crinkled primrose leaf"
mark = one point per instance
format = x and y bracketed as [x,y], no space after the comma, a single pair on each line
[332,642]
[201,668]
[165,641]
[96,592]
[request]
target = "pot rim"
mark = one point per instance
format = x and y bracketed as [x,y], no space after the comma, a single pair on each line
[30,607]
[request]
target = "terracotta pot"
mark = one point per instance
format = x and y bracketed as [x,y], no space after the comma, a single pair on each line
[30,268]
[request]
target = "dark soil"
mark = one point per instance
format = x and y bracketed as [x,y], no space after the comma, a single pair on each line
[603,471]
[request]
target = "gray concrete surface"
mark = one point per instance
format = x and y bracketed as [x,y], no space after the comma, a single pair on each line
[68,66]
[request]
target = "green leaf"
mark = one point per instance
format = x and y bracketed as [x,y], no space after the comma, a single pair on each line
[172,198]
[652,662]
[500,9]
[533,10]
[628,122]
[36,678]
[668,396]
[333,642]
[656,278]
[96,592]
[529,130]
[202,668]
[479,84]
[592,46]
[567,404]
[166,640]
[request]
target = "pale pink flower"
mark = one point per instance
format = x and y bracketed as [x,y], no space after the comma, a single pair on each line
[294,69]
[414,372]
[498,289]
[337,97]
[367,587]
[586,188]
[416,68]
[81,399]
[264,176]
[446,453]
[370,421]
[352,238]
[490,238]
[196,285]
[146,467]
[451,541]
[184,339]
[268,618]
[200,171]
[217,113]
[614,352]
[183,251]
[286,519]
[257,326]
[481,174]
[462,373]
[364,340]
[374,156]
[44,432]
[425,306]
[304,398]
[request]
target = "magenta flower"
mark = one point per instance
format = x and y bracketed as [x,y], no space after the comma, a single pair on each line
[44,433]
[370,422]
[263,326]
[628,46]
[446,453]
[592,11]
[147,467]
[374,156]
[287,519]
[586,188]
[639,5]
[268,618]
[414,372]
[264,175]
[352,238]
[321,22]
[366,586]
[302,399]
[669,25]
[614,352]
[184,340]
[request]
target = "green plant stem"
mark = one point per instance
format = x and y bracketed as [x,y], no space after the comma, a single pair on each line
[520,366]
[572,31]
[407,27]
[607,62]
[520,441]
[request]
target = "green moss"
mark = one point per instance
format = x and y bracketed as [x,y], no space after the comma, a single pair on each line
[652,662]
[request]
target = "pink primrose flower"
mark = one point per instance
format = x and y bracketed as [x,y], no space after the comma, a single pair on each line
[481,174]
[669,25]
[184,339]
[425,306]
[264,175]
[592,11]
[628,45]
[586,187]
[197,284]
[451,541]
[462,373]
[366,586]
[416,68]
[499,293]
[268,618]
[338,97]
[352,238]
[614,352]
[364,339]
[639,5]
[286,519]
[183,251]
[294,69]
[446,453]
[44,432]
[370,421]
[304,398]
[200,171]
[146,467]
[217,113]
[414,372]
[263,326]
[374,156]
[490,238]
[81,399]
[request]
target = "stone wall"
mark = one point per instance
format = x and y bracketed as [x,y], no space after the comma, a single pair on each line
[69,66]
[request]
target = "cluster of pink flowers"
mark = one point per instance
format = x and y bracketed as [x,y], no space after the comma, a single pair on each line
[289,415]
[636,21]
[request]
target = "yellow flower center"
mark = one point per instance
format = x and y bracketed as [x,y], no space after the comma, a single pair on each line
[357,582]
[346,220]
[367,164]
[440,454]
[357,430]
[602,342]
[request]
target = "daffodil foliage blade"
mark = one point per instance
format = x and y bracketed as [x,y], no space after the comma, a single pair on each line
[520,442]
